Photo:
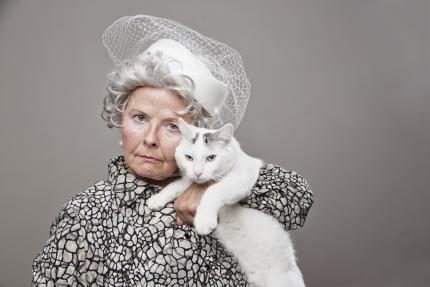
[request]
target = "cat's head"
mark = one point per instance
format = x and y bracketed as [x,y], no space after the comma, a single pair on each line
[204,154]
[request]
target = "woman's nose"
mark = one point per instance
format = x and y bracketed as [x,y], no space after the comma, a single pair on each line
[150,137]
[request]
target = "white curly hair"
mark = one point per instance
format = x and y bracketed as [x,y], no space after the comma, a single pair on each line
[149,71]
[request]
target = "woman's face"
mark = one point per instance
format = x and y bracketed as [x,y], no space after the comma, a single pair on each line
[150,128]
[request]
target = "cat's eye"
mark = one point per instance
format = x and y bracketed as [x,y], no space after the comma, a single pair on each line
[211,157]
[188,157]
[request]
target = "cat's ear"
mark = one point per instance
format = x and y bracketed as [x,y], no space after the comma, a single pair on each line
[185,129]
[224,134]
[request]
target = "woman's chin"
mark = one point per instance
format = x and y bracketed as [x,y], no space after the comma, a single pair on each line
[146,171]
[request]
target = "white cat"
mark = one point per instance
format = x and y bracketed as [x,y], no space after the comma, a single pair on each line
[259,242]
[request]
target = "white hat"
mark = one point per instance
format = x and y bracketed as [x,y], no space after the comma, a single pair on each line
[208,91]
[130,36]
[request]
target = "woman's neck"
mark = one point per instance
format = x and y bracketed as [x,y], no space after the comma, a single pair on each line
[161,183]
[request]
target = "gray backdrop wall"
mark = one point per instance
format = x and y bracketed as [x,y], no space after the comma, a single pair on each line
[340,94]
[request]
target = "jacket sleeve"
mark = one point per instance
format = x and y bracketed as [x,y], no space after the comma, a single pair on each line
[69,257]
[283,194]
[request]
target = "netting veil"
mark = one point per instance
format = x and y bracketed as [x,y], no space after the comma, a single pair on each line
[129,36]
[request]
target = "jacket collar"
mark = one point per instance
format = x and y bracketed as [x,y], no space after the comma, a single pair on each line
[126,186]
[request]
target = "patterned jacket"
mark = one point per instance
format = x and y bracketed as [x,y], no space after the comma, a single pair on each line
[107,236]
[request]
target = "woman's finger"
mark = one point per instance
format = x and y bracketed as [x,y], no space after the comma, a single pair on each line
[184,217]
[179,221]
[186,204]
[183,212]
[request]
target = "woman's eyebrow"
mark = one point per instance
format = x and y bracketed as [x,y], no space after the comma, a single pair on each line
[167,118]
[136,110]
[171,119]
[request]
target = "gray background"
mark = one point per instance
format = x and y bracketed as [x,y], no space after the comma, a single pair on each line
[340,94]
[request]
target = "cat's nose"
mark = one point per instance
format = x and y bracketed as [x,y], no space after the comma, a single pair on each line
[198,173]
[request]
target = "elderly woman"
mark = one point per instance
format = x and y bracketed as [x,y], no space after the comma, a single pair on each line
[106,235]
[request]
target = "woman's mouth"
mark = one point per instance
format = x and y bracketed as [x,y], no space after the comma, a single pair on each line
[149,159]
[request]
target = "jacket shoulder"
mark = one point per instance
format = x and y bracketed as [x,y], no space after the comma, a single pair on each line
[83,205]
[75,245]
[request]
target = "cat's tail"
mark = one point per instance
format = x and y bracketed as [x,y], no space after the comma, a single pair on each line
[280,278]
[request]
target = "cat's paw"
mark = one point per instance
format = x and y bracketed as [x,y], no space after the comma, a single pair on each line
[205,222]
[156,202]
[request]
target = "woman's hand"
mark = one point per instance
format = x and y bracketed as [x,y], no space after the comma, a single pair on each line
[186,204]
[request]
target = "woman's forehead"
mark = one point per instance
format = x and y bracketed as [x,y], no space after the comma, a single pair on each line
[156,98]
[156,101]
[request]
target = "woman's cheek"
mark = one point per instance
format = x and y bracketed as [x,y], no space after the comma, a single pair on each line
[135,127]
[170,141]
[132,133]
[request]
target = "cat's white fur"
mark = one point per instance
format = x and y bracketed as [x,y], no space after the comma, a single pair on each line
[259,242]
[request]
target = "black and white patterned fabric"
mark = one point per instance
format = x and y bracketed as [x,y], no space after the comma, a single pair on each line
[107,236]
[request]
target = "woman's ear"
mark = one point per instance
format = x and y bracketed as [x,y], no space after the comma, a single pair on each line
[185,129]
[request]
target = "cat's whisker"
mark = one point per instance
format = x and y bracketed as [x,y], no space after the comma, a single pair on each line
[216,178]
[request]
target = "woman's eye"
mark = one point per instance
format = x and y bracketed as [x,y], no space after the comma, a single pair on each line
[188,157]
[211,157]
[173,128]
[139,117]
